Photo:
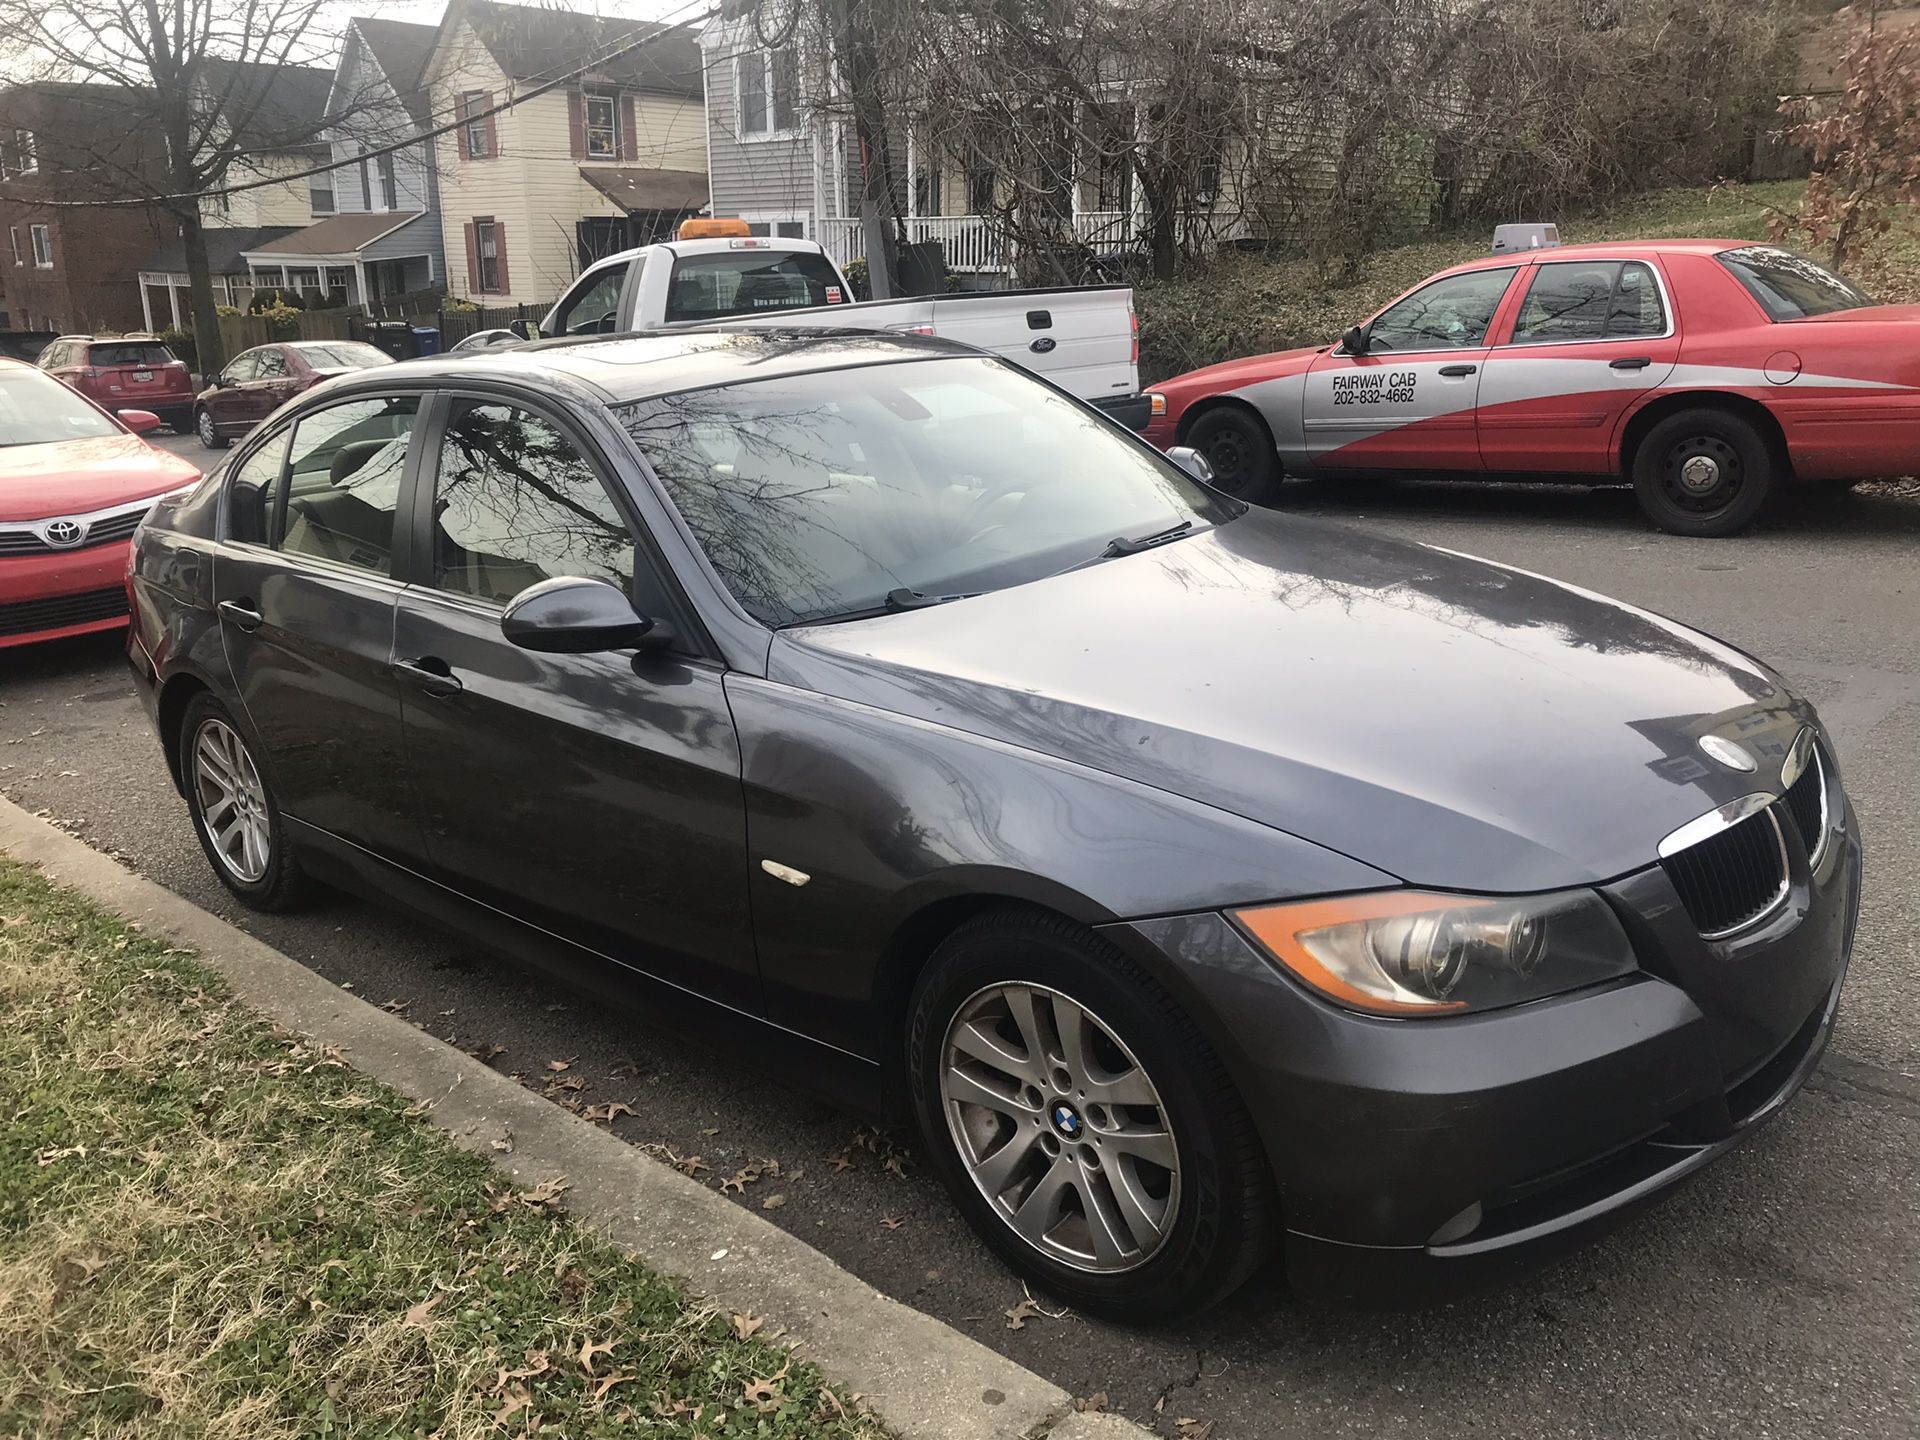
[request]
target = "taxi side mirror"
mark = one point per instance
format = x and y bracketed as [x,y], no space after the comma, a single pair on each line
[1354,342]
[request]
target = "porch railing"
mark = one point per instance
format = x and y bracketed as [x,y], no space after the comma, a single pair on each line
[969,241]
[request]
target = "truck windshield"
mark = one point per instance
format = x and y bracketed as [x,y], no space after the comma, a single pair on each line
[840,492]
[36,409]
[1789,286]
[748,282]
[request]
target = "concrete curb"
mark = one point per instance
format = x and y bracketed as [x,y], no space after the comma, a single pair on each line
[923,1378]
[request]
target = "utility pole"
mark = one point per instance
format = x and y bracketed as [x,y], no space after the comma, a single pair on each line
[859,67]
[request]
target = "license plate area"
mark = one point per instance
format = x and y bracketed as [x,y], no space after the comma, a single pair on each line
[143,377]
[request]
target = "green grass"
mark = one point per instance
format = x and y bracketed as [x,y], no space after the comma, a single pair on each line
[209,1228]
[1248,305]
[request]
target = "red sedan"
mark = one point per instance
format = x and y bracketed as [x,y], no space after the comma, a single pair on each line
[75,482]
[259,381]
[1708,373]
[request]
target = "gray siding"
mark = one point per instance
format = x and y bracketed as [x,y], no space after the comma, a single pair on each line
[751,174]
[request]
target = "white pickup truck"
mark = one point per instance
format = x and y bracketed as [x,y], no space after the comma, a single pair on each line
[1085,339]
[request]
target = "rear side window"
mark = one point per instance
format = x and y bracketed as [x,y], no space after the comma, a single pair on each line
[1789,286]
[342,482]
[269,365]
[711,287]
[124,352]
[1586,300]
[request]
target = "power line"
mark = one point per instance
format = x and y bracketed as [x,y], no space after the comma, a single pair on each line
[657,31]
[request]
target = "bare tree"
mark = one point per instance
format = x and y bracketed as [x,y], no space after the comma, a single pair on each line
[198,81]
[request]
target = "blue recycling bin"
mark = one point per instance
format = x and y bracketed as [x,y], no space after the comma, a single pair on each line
[426,340]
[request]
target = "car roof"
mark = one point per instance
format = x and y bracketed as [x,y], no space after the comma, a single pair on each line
[1600,250]
[623,368]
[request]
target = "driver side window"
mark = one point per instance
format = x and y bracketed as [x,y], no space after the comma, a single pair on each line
[593,307]
[1450,314]
[241,367]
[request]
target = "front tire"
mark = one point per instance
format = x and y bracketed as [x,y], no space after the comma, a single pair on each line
[208,432]
[234,813]
[1705,472]
[1082,1123]
[1240,449]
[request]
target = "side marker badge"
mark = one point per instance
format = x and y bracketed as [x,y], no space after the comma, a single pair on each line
[785,872]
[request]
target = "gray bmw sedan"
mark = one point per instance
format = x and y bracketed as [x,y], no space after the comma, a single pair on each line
[1204,883]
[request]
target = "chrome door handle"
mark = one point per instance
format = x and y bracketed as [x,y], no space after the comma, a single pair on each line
[431,675]
[242,613]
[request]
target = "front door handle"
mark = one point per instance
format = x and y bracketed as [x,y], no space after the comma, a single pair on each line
[1638,362]
[1458,370]
[242,613]
[431,674]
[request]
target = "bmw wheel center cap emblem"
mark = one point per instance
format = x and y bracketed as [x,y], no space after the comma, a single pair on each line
[63,534]
[1066,1121]
[1718,747]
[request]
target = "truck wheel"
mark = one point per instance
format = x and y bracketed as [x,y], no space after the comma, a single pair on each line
[1082,1123]
[1241,452]
[1704,472]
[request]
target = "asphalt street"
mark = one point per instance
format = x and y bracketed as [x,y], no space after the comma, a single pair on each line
[1776,1296]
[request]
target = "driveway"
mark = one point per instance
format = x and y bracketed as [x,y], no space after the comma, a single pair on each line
[1775,1296]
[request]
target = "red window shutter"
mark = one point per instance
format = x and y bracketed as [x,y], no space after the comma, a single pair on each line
[629,130]
[473,259]
[500,248]
[576,125]
[493,135]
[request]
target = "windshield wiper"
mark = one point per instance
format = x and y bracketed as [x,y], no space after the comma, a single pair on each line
[897,601]
[1133,545]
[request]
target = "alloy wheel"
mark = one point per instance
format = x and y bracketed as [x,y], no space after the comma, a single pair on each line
[233,801]
[1060,1128]
[203,423]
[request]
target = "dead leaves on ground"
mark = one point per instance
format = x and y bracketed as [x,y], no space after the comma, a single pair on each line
[766,1395]
[1029,1308]
[544,1196]
[750,1173]
[591,1348]
[745,1326]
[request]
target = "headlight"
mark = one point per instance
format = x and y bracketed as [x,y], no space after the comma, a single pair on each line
[1409,953]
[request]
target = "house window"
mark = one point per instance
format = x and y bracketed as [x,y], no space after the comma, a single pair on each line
[366,182]
[486,246]
[42,246]
[389,184]
[320,193]
[603,135]
[471,104]
[979,192]
[927,191]
[766,81]
[25,159]
[13,235]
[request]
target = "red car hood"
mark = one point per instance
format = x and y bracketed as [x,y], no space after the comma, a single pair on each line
[1234,373]
[73,477]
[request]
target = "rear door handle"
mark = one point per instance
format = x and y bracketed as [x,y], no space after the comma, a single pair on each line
[431,674]
[1458,370]
[1638,362]
[242,613]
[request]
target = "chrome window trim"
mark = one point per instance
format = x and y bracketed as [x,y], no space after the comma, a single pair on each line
[1659,279]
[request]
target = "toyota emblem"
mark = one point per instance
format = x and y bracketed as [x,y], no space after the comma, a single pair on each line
[64,534]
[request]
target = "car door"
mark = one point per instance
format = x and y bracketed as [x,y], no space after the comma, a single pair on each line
[1588,338]
[305,590]
[1407,404]
[227,401]
[594,796]
[273,384]
[593,306]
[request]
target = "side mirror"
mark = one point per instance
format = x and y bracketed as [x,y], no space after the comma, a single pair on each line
[141,422]
[1354,342]
[1191,461]
[572,616]
[524,329]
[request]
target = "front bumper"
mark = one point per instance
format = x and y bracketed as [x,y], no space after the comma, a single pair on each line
[1132,411]
[65,593]
[1413,1157]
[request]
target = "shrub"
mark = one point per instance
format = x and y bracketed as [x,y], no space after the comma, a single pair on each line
[182,344]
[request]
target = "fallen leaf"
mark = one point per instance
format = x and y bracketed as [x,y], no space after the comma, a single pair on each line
[505,1147]
[842,1161]
[44,1158]
[1093,1404]
[893,1222]
[558,1065]
[711,1133]
[764,1395]
[616,1378]
[1193,1429]
[605,1113]
[591,1348]
[773,1202]
[1018,1316]
[515,1403]
[745,1325]
[420,1317]
[486,1053]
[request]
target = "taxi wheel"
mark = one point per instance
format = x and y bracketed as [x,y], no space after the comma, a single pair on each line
[1241,452]
[1704,472]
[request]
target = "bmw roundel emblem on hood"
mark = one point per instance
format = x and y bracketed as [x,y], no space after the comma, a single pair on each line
[1718,747]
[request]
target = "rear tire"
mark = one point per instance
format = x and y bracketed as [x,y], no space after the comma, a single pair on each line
[1240,449]
[1137,1080]
[204,427]
[1705,472]
[178,421]
[234,812]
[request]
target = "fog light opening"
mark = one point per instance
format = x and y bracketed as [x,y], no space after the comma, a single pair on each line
[1459,1227]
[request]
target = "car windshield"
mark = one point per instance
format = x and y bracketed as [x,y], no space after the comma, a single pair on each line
[1789,286]
[36,409]
[346,355]
[146,353]
[843,492]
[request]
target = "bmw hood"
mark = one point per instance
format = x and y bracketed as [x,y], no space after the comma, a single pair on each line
[1454,722]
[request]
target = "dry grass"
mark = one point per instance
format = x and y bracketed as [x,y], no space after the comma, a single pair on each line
[1251,305]
[209,1229]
